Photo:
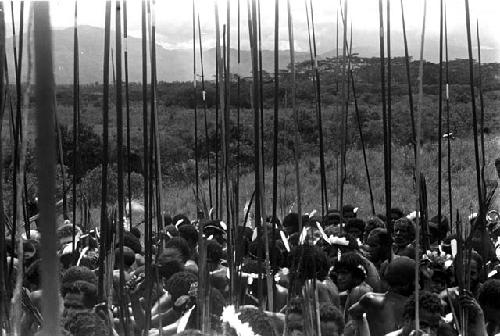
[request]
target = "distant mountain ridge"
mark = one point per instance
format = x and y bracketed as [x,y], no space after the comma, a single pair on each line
[172,65]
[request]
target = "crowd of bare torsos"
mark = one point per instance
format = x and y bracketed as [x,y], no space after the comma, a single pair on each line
[339,275]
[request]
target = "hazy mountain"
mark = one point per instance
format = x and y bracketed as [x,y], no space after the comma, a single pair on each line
[177,65]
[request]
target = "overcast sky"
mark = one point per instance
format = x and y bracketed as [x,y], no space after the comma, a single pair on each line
[174,21]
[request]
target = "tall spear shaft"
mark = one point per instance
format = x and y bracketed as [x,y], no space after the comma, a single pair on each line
[481,105]
[195,102]
[418,170]
[207,140]
[146,165]
[474,112]
[343,130]
[119,138]
[3,265]
[440,110]
[448,140]
[296,151]
[388,182]
[45,91]
[387,163]
[102,291]
[127,106]
[324,189]
[408,79]
[76,117]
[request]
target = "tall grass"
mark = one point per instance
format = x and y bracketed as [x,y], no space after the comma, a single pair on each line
[180,199]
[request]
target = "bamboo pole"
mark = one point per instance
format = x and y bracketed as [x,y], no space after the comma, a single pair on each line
[207,140]
[76,118]
[238,112]
[418,169]
[448,140]
[102,290]
[45,91]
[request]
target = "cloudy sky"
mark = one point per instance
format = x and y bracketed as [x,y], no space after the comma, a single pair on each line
[174,21]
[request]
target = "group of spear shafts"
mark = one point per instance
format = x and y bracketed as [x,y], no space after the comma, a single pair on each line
[226,181]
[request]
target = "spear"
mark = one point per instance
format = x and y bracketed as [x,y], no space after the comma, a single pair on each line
[344,112]
[147,218]
[440,110]
[119,138]
[3,269]
[481,104]
[127,102]
[227,108]
[76,116]
[389,118]
[102,291]
[275,128]
[18,123]
[387,163]
[418,169]
[296,152]
[45,91]
[238,116]
[361,138]
[196,172]
[61,160]
[23,120]
[317,85]
[474,112]
[207,141]
[448,161]
[408,78]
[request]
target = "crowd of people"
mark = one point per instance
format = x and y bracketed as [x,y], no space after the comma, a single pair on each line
[332,275]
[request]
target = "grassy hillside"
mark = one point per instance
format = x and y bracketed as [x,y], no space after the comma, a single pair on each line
[181,199]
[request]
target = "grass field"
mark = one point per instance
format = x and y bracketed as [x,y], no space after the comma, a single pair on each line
[181,200]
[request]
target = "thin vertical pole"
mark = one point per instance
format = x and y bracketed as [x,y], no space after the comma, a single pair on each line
[448,140]
[76,117]
[46,146]
[127,104]
[195,102]
[440,110]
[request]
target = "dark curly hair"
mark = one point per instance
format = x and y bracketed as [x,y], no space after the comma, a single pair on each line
[130,240]
[180,283]
[489,294]
[330,313]
[352,263]
[189,233]
[180,244]
[257,320]
[83,323]
[75,273]
[428,301]
[214,251]
[309,262]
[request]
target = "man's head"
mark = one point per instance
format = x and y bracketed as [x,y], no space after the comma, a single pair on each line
[371,224]
[332,320]
[355,227]
[400,275]
[350,271]
[404,232]
[489,299]
[429,312]
[378,244]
